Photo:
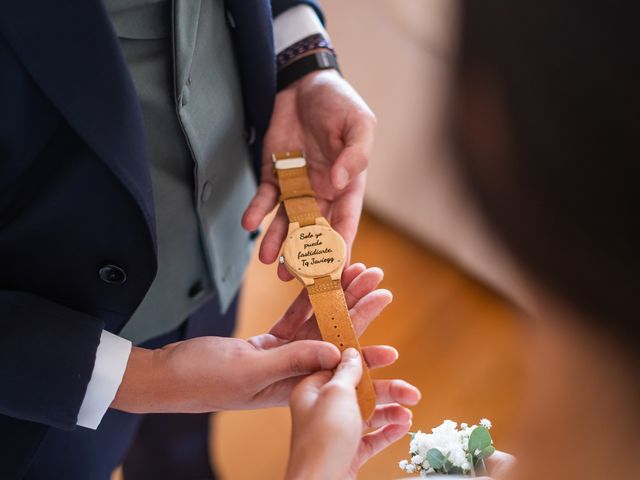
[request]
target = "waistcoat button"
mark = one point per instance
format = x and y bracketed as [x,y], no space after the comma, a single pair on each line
[207,190]
[112,274]
[230,20]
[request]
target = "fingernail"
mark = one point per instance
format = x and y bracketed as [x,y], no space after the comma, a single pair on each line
[342,177]
[351,354]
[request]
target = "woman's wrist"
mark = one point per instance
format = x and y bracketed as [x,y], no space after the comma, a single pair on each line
[309,461]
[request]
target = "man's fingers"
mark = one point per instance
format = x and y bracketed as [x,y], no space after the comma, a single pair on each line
[347,208]
[262,203]
[351,273]
[389,414]
[354,157]
[379,356]
[298,313]
[298,358]
[266,341]
[374,442]
[273,238]
[300,310]
[283,273]
[396,391]
[364,283]
[368,308]
[349,371]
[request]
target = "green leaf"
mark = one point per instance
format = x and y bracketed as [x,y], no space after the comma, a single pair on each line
[479,440]
[486,452]
[436,459]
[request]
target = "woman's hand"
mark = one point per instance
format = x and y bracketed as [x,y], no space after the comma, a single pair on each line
[323,115]
[327,438]
[500,465]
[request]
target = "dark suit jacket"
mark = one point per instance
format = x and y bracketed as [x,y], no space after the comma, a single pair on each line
[75,196]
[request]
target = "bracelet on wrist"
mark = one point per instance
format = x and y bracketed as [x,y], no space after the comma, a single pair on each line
[321,59]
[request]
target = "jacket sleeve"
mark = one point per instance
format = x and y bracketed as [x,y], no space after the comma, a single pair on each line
[47,353]
[279,6]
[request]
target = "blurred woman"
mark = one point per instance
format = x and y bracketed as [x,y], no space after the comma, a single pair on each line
[546,121]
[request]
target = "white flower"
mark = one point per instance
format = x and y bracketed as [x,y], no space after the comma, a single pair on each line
[485,423]
[451,441]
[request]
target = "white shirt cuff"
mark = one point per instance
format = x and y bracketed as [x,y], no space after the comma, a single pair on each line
[294,24]
[111,362]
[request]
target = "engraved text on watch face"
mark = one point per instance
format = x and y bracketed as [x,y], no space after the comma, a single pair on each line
[314,251]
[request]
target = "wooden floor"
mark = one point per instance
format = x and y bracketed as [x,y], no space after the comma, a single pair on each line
[458,342]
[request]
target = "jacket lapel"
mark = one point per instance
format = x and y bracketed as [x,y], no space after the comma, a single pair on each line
[71,51]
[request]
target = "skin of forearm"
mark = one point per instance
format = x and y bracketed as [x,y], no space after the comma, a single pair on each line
[142,383]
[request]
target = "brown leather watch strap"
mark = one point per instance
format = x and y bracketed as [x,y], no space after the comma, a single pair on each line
[296,193]
[332,316]
[312,248]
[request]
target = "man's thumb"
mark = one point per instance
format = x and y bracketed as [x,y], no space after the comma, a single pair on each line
[300,357]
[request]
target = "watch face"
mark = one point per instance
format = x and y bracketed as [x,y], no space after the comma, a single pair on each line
[314,251]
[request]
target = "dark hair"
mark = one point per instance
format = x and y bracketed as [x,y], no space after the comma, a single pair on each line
[552,89]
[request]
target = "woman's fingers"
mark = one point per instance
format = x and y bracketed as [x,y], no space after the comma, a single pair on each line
[379,356]
[369,308]
[374,442]
[349,371]
[362,284]
[500,464]
[300,310]
[305,394]
[389,414]
[396,391]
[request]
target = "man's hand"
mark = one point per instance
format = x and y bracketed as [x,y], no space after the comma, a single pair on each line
[323,115]
[212,373]
[328,436]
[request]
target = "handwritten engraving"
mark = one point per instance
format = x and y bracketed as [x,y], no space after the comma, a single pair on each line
[315,250]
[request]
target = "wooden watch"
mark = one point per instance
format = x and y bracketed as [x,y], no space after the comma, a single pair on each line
[315,254]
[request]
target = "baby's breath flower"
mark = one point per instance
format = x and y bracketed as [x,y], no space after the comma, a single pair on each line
[452,444]
[485,423]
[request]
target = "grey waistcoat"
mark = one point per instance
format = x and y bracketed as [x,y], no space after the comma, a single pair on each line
[181,61]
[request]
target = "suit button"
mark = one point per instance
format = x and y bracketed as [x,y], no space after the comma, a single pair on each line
[112,274]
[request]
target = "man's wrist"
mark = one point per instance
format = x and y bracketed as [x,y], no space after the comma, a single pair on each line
[140,387]
[318,60]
